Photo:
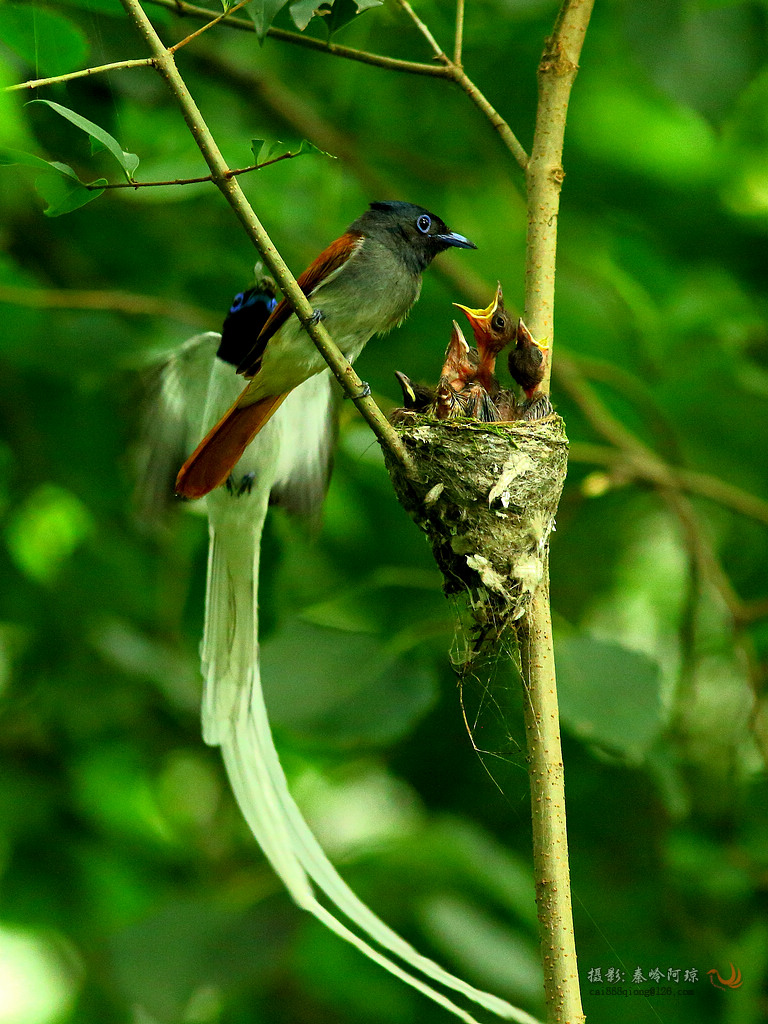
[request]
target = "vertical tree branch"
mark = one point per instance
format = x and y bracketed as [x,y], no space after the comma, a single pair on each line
[544,172]
[458,41]
[230,189]
[544,177]
[550,836]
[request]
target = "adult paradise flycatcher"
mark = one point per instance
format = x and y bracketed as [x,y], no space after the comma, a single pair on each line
[287,462]
[363,284]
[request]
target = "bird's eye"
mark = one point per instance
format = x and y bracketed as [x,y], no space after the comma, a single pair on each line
[237,302]
[424,223]
[498,323]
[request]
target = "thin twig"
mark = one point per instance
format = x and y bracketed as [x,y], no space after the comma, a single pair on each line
[454,70]
[230,189]
[436,48]
[654,472]
[184,9]
[506,134]
[444,67]
[195,181]
[119,65]
[109,302]
[210,24]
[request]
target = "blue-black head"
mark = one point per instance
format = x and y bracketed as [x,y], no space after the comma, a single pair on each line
[415,234]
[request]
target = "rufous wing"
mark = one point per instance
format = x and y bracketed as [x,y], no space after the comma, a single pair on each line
[329,260]
[215,457]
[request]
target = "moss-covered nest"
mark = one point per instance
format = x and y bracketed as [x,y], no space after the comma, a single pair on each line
[486,497]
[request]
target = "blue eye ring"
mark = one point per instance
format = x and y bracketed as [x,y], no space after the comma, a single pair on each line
[237,302]
[424,223]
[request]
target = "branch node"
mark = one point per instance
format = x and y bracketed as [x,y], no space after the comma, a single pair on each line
[553,60]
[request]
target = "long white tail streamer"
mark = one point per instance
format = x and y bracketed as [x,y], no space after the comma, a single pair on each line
[289,457]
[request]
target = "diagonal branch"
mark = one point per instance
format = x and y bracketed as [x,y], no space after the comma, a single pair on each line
[230,189]
[184,9]
[454,70]
[119,65]
[626,467]
[433,44]
[110,302]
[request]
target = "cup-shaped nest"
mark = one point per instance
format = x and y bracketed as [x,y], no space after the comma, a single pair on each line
[486,496]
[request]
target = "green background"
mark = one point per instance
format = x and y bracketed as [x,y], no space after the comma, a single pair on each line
[131,889]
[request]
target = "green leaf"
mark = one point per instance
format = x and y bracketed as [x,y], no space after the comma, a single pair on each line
[345,11]
[311,149]
[47,41]
[9,157]
[64,194]
[264,150]
[262,13]
[303,11]
[63,191]
[337,13]
[128,161]
[609,695]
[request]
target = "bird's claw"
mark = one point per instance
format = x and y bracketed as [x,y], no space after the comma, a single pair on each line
[365,391]
[317,316]
[242,486]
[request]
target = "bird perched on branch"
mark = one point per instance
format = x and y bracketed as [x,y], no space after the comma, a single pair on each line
[363,284]
[380,258]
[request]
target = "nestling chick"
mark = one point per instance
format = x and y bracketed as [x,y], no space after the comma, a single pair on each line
[494,328]
[459,392]
[526,365]
[417,398]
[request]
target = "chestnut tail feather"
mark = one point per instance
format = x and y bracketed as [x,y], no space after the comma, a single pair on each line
[215,457]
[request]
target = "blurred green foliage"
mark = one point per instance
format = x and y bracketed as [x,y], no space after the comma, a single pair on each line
[131,887]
